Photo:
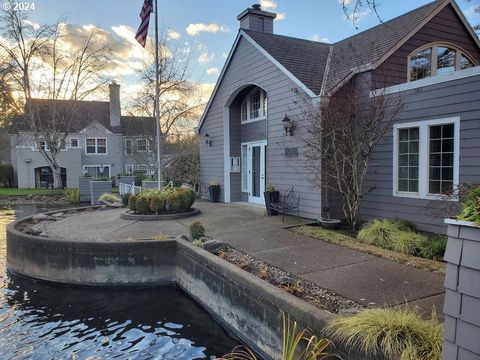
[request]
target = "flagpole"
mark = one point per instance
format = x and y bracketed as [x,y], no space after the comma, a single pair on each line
[157,102]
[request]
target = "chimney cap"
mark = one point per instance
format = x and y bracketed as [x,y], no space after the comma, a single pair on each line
[257,10]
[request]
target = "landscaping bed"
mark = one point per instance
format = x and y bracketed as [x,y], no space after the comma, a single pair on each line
[345,238]
[303,289]
[13,196]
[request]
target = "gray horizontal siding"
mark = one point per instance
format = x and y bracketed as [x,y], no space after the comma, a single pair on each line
[454,98]
[249,66]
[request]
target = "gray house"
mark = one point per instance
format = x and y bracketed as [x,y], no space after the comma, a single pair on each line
[100,142]
[430,54]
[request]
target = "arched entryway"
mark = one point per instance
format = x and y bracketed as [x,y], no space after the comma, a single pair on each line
[44,177]
[245,147]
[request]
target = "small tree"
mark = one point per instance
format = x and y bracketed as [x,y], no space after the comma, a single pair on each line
[343,134]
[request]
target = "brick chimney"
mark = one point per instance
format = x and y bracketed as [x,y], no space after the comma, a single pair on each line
[115,111]
[256,19]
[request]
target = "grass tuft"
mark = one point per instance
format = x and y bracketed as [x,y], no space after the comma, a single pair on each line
[398,333]
[434,247]
[379,232]
[408,242]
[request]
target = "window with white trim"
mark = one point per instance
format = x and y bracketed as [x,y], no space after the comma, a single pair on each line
[96,145]
[74,142]
[254,106]
[142,169]
[244,169]
[42,144]
[426,158]
[141,145]
[97,170]
[128,147]
[434,59]
[129,169]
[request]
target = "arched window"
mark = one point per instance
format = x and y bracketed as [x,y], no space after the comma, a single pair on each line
[434,59]
[254,106]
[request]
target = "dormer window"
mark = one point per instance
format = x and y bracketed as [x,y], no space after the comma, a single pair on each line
[436,59]
[254,106]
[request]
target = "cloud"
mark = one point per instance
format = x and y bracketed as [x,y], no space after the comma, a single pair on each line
[205,57]
[195,29]
[281,16]
[317,37]
[225,55]
[268,4]
[173,35]
[345,2]
[213,71]
[356,17]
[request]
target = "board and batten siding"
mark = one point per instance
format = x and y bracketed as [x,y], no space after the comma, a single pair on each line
[449,99]
[248,66]
[446,26]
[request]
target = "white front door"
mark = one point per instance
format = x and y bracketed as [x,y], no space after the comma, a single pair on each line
[256,171]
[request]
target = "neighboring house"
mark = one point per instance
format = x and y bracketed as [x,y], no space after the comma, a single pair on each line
[430,54]
[100,142]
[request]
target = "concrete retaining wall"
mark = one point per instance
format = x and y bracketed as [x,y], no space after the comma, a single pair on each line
[462,297]
[97,188]
[245,305]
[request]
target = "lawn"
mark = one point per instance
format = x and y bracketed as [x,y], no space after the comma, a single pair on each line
[25,192]
[342,238]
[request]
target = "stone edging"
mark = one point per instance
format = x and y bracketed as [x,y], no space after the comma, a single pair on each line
[153,217]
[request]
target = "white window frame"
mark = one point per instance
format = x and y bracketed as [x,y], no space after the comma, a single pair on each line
[243,167]
[126,147]
[423,160]
[96,145]
[98,166]
[433,61]
[142,167]
[146,145]
[70,143]
[132,169]
[39,145]
[247,101]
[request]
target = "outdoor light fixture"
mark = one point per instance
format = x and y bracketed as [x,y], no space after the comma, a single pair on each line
[102,169]
[208,141]
[85,172]
[287,125]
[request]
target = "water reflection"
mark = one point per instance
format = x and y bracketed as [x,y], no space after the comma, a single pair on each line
[42,321]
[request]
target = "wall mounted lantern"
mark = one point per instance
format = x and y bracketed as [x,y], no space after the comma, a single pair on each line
[288,125]
[102,169]
[208,141]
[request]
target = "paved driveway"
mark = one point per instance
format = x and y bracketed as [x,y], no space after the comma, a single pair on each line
[365,278]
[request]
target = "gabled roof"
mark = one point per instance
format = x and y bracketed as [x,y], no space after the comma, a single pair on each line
[320,68]
[73,116]
[305,59]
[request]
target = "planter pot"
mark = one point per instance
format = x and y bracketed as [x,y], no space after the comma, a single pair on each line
[84,188]
[330,223]
[148,184]
[97,188]
[271,197]
[462,296]
[126,179]
[214,192]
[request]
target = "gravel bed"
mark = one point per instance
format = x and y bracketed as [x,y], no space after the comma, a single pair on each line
[322,298]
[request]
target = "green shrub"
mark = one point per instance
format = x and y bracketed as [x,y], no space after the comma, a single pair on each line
[404,224]
[433,247]
[188,198]
[72,195]
[407,242]
[175,201]
[379,232]
[142,205]
[139,178]
[125,198]
[392,333]
[157,204]
[197,230]
[6,175]
[132,203]
[471,207]
[109,199]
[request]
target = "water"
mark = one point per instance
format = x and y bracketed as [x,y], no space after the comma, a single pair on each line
[44,321]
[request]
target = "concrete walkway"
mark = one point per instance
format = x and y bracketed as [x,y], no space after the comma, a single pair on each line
[365,278]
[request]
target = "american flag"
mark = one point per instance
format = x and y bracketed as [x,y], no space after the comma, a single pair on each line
[142,31]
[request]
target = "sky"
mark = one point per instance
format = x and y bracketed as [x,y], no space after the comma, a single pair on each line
[210,26]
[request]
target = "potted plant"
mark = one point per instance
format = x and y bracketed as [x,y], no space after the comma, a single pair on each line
[271,196]
[214,190]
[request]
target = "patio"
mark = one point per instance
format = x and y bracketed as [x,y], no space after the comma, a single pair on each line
[365,278]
